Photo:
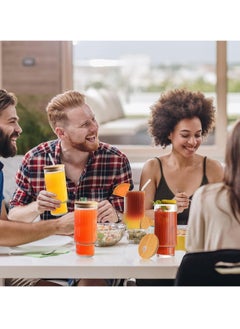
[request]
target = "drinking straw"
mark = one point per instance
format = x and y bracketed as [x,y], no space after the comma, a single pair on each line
[146,184]
[51,158]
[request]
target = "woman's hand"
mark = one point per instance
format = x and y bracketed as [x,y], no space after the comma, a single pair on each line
[183,201]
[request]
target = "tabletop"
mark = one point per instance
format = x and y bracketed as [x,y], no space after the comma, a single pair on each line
[120,261]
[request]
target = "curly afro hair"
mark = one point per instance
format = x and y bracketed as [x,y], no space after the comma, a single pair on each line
[176,105]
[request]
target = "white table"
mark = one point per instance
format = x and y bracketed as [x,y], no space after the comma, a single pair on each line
[119,261]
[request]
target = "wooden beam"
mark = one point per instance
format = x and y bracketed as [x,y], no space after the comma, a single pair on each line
[66,66]
[221,91]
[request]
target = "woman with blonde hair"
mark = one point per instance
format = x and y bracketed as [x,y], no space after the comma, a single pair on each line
[214,219]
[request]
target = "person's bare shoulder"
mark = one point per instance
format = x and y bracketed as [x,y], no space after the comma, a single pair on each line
[214,170]
[150,170]
[153,164]
[150,163]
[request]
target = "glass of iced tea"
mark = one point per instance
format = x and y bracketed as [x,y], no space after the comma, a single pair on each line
[134,209]
[85,227]
[165,216]
[55,182]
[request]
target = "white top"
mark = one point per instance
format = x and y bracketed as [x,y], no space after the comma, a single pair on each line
[119,261]
[211,224]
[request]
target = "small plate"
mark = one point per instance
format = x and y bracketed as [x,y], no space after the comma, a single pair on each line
[4,251]
[50,243]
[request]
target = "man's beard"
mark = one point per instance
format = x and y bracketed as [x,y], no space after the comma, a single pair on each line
[7,149]
[85,147]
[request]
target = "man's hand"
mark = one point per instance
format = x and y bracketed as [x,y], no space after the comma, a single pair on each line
[46,201]
[106,212]
[66,224]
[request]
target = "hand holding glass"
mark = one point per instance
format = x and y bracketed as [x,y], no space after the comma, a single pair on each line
[55,181]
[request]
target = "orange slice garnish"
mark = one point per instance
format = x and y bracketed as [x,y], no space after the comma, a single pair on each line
[146,222]
[121,189]
[148,246]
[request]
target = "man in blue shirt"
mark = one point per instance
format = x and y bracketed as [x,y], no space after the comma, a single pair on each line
[15,233]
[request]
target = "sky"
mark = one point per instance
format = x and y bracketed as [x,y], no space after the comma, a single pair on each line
[159,51]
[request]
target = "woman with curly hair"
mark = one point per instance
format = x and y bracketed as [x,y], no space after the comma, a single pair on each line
[179,118]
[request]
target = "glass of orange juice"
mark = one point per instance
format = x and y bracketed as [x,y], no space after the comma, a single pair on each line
[165,216]
[55,181]
[85,227]
[181,235]
[134,209]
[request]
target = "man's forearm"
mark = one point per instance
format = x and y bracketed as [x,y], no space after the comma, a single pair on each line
[15,233]
[24,213]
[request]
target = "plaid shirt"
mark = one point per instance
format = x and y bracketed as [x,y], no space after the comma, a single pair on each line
[106,168]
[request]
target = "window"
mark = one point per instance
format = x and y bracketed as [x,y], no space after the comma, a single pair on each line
[139,71]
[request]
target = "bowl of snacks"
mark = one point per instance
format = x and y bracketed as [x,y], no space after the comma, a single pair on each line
[135,235]
[109,234]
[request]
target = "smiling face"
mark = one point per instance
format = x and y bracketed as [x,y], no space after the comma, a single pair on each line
[9,131]
[80,131]
[187,136]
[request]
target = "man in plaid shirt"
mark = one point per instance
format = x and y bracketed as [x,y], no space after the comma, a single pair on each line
[93,169]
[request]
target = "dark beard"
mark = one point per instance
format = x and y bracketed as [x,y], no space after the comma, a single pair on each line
[6,147]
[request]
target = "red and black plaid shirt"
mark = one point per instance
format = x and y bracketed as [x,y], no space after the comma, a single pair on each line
[106,168]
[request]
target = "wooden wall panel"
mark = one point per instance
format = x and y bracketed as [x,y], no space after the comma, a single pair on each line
[42,78]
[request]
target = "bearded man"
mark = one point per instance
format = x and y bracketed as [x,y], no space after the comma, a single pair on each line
[16,233]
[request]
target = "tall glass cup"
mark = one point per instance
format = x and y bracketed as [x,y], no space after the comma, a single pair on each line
[85,227]
[181,237]
[165,216]
[134,209]
[55,182]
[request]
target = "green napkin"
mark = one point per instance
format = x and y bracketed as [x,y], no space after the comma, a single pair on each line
[42,255]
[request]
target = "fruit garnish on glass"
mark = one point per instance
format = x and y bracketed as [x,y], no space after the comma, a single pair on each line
[121,189]
[146,222]
[164,202]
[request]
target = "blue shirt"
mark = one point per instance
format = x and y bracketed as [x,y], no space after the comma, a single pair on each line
[1,185]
